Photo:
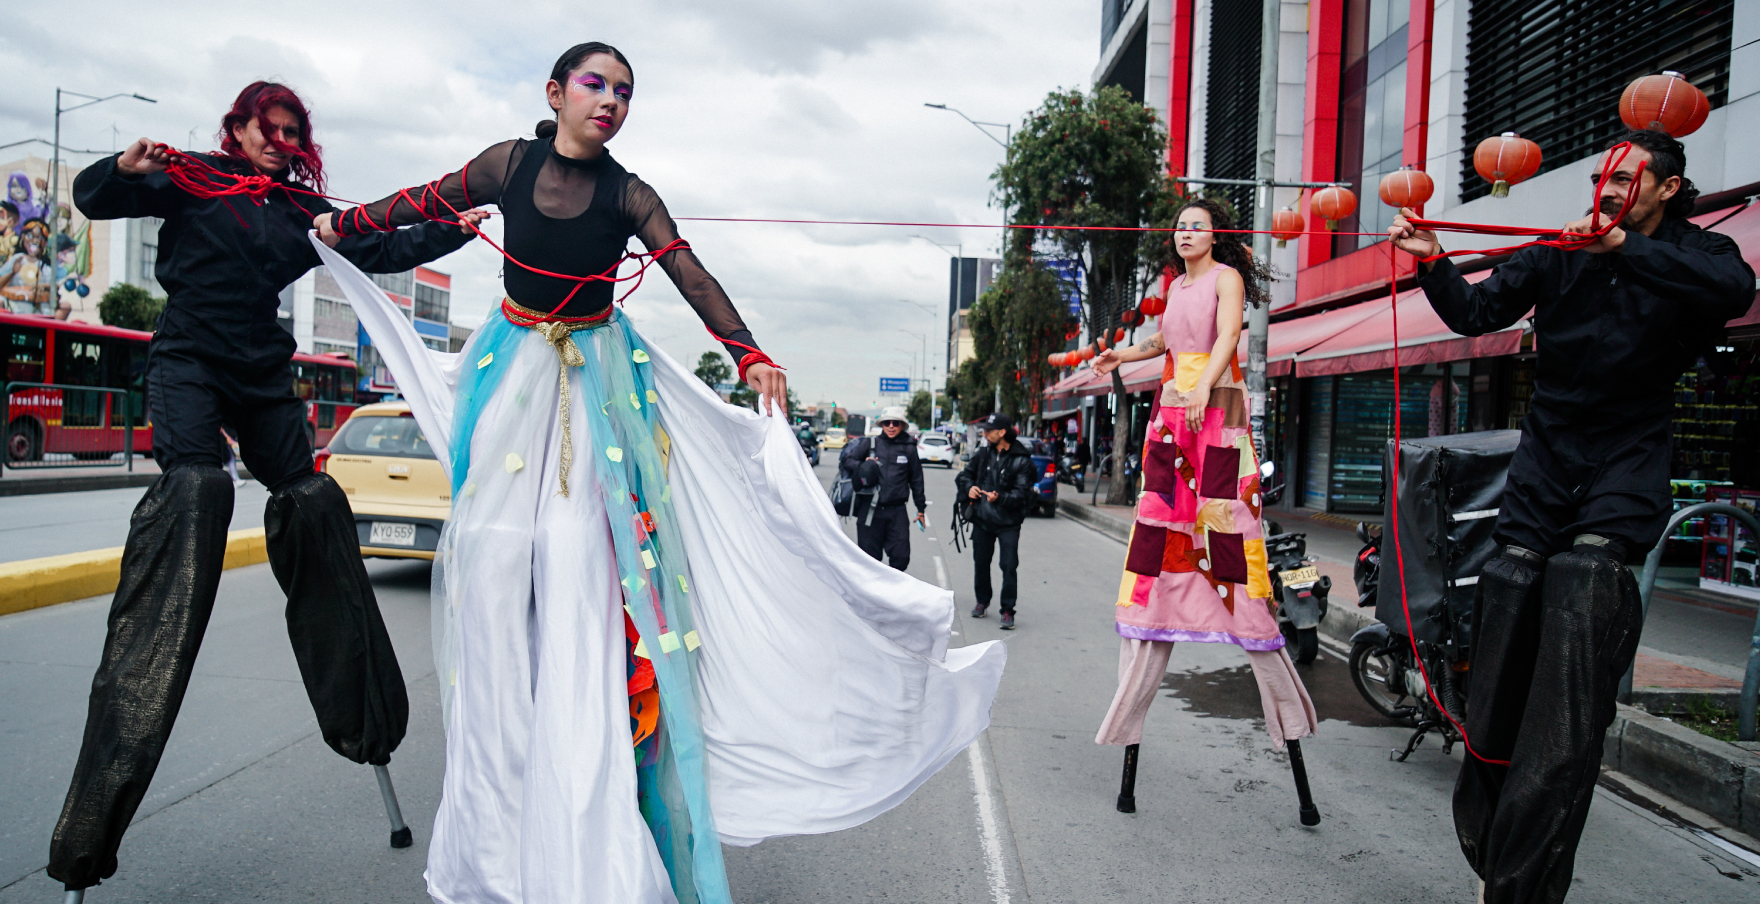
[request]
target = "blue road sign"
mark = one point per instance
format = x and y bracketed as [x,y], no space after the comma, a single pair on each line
[895,384]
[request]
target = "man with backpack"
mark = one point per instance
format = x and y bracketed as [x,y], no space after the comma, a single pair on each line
[885,473]
[996,488]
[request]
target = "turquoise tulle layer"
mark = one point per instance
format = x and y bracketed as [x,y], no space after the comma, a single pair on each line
[621,445]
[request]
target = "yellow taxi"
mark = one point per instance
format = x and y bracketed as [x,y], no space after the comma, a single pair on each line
[835,438]
[399,495]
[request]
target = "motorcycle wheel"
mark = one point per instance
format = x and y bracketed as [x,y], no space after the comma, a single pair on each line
[1307,645]
[1372,673]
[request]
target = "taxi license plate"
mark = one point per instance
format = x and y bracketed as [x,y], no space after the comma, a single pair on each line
[1299,576]
[392,533]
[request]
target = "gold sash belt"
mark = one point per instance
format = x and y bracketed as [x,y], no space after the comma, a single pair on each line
[559,332]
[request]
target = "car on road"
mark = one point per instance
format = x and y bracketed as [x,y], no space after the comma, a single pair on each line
[835,438]
[400,496]
[934,448]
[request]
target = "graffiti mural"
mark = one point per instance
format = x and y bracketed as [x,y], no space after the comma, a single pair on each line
[36,253]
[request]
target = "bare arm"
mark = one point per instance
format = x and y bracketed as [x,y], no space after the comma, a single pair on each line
[1107,361]
[1230,291]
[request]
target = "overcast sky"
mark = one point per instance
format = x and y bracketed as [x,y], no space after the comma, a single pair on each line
[775,108]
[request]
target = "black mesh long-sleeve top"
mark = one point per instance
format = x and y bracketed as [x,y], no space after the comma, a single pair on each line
[565,216]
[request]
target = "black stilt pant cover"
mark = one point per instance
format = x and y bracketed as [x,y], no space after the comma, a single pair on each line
[1545,678]
[170,574]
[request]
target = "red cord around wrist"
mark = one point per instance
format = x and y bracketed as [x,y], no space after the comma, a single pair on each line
[756,357]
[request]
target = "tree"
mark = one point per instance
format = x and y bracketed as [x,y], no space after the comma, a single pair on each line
[920,410]
[713,370]
[971,387]
[1092,161]
[1016,324]
[131,308]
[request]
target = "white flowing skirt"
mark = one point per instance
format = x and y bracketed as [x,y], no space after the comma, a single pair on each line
[826,691]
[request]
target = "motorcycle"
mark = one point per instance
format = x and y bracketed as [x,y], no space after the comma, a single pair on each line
[1300,590]
[1384,671]
[810,446]
[1071,471]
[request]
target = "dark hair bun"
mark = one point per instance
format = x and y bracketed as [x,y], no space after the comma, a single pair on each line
[546,128]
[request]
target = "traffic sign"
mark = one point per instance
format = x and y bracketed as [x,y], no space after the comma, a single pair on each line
[895,384]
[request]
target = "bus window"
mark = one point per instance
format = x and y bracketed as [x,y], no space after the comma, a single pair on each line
[304,378]
[125,367]
[24,354]
[79,361]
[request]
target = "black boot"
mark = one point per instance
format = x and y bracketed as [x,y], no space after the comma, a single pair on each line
[170,572]
[339,639]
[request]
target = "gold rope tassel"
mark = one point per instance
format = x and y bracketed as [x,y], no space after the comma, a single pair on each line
[568,355]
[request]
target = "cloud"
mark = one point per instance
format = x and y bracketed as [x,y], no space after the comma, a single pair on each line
[776,108]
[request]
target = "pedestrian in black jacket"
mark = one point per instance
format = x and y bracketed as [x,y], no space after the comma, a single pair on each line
[1557,617]
[997,489]
[881,523]
[219,360]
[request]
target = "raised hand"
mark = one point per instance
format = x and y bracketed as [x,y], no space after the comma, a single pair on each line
[771,384]
[143,157]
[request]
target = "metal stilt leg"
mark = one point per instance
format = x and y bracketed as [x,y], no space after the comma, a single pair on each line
[75,896]
[400,834]
[1127,790]
[1310,813]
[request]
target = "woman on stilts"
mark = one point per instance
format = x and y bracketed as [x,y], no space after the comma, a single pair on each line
[220,361]
[1196,567]
[652,636]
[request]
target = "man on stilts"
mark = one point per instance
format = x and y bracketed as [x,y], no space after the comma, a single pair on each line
[1558,615]
[220,360]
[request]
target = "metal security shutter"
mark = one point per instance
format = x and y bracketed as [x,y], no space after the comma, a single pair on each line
[1316,440]
[1553,70]
[1231,124]
[1361,428]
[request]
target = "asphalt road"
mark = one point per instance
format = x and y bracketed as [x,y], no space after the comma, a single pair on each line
[250,805]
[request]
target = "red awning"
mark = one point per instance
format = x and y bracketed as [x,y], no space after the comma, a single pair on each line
[1423,339]
[1744,227]
[1064,388]
[1290,338]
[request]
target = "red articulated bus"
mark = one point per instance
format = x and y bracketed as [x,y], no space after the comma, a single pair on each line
[91,425]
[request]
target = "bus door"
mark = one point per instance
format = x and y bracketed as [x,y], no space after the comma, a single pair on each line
[24,349]
[83,430]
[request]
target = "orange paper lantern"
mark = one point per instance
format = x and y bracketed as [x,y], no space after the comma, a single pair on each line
[1087,353]
[1153,306]
[1406,187]
[1665,103]
[1131,318]
[1503,160]
[1286,224]
[1334,203]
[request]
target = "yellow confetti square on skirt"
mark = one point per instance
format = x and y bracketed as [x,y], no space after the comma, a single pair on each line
[669,642]
[648,560]
[653,397]
[635,401]
[682,586]
[614,453]
[486,361]
[642,649]
[513,462]
[692,642]
[639,356]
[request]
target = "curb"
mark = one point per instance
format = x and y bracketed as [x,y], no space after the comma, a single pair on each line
[1100,521]
[34,583]
[32,486]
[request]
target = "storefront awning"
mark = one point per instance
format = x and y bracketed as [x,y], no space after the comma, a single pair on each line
[1065,387]
[1744,228]
[1290,338]
[1423,339]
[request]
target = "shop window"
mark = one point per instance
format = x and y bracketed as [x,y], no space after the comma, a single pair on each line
[1529,69]
[1372,112]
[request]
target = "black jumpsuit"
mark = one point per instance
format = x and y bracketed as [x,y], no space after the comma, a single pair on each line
[219,358]
[1557,626]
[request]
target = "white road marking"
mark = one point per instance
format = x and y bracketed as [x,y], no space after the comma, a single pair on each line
[941,574]
[992,839]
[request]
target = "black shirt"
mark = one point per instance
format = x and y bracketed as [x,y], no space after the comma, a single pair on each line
[224,261]
[1614,331]
[901,472]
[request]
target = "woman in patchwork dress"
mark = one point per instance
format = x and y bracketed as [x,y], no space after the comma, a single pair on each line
[1195,570]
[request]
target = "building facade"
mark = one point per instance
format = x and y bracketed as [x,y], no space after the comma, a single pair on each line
[968,278]
[1368,86]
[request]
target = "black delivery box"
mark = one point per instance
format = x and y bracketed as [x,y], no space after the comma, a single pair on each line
[1450,490]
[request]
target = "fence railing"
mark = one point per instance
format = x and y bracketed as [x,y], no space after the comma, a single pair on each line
[1745,724]
[56,425]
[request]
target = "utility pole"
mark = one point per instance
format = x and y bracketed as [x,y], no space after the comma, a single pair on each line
[1265,169]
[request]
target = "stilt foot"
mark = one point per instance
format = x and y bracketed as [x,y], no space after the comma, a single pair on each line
[403,838]
[400,834]
[1127,789]
[1310,814]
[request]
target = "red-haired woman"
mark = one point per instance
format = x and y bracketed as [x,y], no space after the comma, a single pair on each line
[632,562]
[220,359]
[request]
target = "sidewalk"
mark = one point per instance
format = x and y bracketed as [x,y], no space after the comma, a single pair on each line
[97,476]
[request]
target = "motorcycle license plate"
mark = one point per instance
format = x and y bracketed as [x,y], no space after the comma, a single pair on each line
[392,533]
[1299,577]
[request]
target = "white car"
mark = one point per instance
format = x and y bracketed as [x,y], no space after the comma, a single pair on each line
[935,447]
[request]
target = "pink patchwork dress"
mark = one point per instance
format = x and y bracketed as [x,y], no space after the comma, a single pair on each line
[1195,570]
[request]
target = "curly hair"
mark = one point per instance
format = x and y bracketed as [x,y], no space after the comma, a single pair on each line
[1668,157]
[1229,249]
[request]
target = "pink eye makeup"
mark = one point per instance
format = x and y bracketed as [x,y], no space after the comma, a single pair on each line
[594,82]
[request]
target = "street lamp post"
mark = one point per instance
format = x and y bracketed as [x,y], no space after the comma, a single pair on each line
[55,176]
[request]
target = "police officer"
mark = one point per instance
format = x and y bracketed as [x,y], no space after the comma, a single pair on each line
[997,489]
[881,523]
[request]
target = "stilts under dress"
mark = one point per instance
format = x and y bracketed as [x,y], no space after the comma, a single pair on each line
[1195,570]
[680,648]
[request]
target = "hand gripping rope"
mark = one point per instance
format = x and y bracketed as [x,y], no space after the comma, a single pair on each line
[202,180]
